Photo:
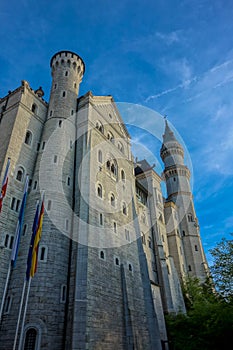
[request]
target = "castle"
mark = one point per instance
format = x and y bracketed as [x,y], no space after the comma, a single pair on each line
[113,252]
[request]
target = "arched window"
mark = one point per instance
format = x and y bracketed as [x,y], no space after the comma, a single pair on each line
[123,175]
[64,94]
[25,226]
[49,204]
[100,191]
[100,156]
[113,168]
[124,208]
[110,137]
[120,147]
[63,293]
[99,126]
[102,255]
[190,217]
[130,267]
[34,108]
[30,339]
[20,174]
[28,138]
[66,73]
[149,242]
[112,200]
[8,304]
[117,261]
[6,240]
[43,253]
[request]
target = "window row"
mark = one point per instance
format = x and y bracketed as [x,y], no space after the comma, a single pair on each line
[43,250]
[9,299]
[112,199]
[99,126]
[67,63]
[111,166]
[102,256]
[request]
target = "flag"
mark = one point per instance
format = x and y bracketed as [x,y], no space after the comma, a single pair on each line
[34,244]
[4,184]
[18,230]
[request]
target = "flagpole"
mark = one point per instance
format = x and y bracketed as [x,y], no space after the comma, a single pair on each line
[19,316]
[5,291]
[24,315]
[14,251]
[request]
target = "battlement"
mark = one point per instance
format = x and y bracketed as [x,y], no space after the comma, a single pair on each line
[68,59]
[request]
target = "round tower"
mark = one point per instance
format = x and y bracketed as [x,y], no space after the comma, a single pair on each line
[54,176]
[187,248]
[177,175]
[67,69]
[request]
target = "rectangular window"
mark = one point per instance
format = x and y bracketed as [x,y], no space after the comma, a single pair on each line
[127,235]
[101,219]
[15,204]
[13,201]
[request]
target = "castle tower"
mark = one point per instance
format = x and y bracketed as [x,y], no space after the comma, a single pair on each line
[184,239]
[53,174]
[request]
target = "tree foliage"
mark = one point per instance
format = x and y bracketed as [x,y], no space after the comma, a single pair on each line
[222,268]
[208,324]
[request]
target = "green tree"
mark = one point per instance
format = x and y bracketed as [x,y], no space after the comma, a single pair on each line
[208,324]
[222,268]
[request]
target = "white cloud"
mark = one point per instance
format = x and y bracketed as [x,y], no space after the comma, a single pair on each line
[169,38]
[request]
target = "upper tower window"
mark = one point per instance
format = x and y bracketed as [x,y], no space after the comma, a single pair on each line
[100,191]
[110,137]
[112,200]
[99,126]
[63,94]
[34,108]
[123,175]
[120,147]
[190,217]
[66,73]
[124,208]
[28,138]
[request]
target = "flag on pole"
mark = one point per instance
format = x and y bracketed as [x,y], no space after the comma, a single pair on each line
[35,240]
[18,230]
[4,184]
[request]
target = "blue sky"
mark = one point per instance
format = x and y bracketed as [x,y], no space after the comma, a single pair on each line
[175,57]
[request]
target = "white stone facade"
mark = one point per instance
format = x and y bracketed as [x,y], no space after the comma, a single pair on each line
[114,251]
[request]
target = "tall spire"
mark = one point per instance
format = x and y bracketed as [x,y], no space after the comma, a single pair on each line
[168,135]
[171,146]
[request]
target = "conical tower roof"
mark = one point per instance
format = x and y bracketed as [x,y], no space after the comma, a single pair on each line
[170,143]
[168,135]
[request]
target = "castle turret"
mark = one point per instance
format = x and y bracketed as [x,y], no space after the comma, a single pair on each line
[186,247]
[67,72]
